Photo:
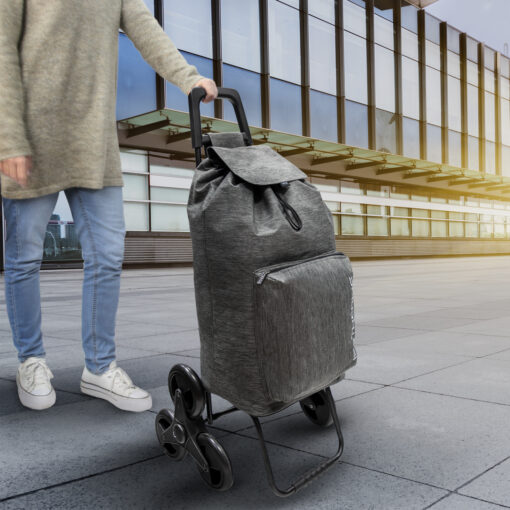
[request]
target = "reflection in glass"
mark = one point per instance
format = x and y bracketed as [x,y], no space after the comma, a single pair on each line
[136,86]
[472,49]
[432,28]
[433,96]
[454,107]
[323,9]
[248,86]
[505,160]
[189,25]
[433,55]
[322,56]
[323,108]
[472,73]
[383,31]
[136,217]
[410,88]
[385,131]
[284,42]
[455,148]
[240,32]
[453,39]
[133,161]
[490,157]
[453,64]
[354,19]
[355,49]
[356,124]
[169,218]
[490,81]
[135,187]
[490,117]
[377,227]
[504,88]
[409,44]
[399,227]
[472,110]
[384,79]
[420,228]
[352,225]
[351,188]
[176,100]
[434,144]
[409,17]
[473,153]
[411,138]
[505,121]
[456,228]
[174,195]
[286,107]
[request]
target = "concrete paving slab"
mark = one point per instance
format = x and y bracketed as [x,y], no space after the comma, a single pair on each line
[366,334]
[499,327]
[492,486]
[71,441]
[480,379]
[446,342]
[423,437]
[456,502]
[386,367]
[427,321]
[187,340]
[504,355]
[161,483]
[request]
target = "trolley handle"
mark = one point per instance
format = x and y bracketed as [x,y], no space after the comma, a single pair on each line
[195,97]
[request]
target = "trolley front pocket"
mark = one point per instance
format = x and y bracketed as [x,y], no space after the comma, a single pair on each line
[304,325]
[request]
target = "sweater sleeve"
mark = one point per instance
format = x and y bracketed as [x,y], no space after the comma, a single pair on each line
[156,47]
[13,137]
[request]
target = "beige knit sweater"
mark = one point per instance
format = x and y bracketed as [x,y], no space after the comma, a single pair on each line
[57,91]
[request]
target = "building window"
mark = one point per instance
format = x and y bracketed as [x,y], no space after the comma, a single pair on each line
[400,226]
[354,19]
[420,227]
[286,107]
[386,131]
[323,9]
[352,224]
[455,148]
[410,88]
[284,42]
[323,109]
[355,49]
[384,79]
[356,121]
[411,138]
[433,78]
[434,143]
[189,25]
[136,91]
[240,31]
[454,109]
[322,56]
[473,153]
[248,86]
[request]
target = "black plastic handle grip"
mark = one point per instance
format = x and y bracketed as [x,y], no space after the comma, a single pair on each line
[195,97]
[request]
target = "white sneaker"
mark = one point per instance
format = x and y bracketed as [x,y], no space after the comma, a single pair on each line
[34,387]
[116,386]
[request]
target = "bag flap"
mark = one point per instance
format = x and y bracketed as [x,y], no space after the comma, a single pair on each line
[229,140]
[259,165]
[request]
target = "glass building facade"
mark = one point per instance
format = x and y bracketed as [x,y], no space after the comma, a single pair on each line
[375,74]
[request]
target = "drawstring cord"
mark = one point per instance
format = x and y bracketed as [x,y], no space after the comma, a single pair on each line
[289,212]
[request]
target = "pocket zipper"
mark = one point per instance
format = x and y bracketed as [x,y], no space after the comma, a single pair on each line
[263,273]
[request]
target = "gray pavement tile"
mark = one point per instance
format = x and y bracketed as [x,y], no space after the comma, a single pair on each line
[161,483]
[504,355]
[194,353]
[68,442]
[423,437]
[499,327]
[387,367]
[446,342]
[492,486]
[480,379]
[366,334]
[66,356]
[428,321]
[9,401]
[166,343]
[456,502]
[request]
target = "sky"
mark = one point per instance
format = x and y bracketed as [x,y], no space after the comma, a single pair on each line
[488,21]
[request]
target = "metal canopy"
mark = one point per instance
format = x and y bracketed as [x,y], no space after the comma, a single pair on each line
[388,4]
[167,131]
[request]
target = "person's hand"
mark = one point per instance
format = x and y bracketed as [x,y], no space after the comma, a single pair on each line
[17,168]
[210,88]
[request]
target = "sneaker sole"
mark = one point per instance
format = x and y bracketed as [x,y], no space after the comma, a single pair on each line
[136,405]
[35,402]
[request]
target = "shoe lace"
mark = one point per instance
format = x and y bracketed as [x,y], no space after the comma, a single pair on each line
[37,373]
[121,379]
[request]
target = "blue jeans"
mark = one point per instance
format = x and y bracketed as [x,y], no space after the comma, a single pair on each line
[99,220]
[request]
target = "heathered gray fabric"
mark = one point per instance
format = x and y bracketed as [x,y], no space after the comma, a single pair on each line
[238,228]
[228,140]
[57,91]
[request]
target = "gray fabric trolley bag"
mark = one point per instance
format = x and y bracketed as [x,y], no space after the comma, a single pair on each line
[274,299]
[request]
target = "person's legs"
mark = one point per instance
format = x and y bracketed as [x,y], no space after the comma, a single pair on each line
[26,222]
[99,219]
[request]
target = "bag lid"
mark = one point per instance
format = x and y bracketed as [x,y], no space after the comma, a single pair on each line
[257,164]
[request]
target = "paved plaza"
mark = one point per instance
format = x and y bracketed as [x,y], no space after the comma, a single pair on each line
[425,414]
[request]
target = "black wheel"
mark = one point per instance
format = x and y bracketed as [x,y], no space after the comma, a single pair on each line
[316,409]
[164,420]
[219,476]
[184,378]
